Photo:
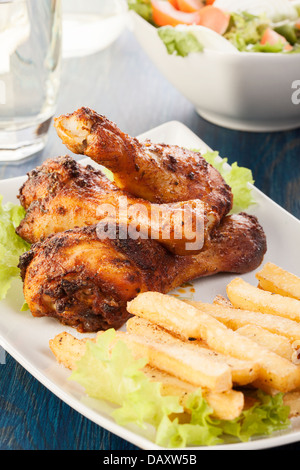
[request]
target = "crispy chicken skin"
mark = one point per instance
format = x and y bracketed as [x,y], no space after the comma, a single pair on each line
[86,282]
[157,172]
[62,194]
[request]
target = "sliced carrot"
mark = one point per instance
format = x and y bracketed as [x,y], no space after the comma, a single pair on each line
[174,3]
[214,18]
[297,24]
[190,6]
[164,14]
[210,2]
[271,37]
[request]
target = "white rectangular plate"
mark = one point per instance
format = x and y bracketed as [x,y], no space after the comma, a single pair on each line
[27,338]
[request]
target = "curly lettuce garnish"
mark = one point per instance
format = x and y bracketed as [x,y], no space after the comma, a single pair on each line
[108,371]
[11,245]
[239,178]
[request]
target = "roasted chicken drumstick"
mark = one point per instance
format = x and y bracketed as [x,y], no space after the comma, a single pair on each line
[156,172]
[62,194]
[86,282]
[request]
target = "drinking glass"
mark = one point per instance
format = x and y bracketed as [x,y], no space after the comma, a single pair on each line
[90,26]
[30,58]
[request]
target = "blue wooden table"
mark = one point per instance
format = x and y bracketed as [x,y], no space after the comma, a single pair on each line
[123,84]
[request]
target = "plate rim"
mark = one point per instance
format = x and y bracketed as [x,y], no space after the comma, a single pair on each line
[109,425]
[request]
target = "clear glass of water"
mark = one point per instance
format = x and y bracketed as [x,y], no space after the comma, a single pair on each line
[90,26]
[30,59]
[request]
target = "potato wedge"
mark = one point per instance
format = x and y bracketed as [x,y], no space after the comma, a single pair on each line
[182,318]
[247,297]
[243,372]
[274,279]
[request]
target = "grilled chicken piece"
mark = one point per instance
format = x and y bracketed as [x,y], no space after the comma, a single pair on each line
[156,172]
[62,194]
[86,282]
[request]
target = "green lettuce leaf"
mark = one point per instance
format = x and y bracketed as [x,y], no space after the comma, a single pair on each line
[11,245]
[266,415]
[142,8]
[108,371]
[279,47]
[179,42]
[238,178]
[245,30]
[117,377]
[288,31]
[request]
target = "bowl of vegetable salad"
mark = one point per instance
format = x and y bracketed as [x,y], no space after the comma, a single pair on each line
[237,61]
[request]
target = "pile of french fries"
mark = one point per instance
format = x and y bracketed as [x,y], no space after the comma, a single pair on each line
[249,340]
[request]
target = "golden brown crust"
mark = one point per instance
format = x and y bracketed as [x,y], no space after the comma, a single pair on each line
[237,246]
[62,194]
[86,282]
[157,172]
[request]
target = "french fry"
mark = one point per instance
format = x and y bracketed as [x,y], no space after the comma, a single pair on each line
[276,343]
[247,297]
[181,361]
[67,349]
[235,318]
[182,318]
[175,315]
[292,399]
[273,341]
[220,300]
[140,326]
[274,279]
[243,372]
[226,405]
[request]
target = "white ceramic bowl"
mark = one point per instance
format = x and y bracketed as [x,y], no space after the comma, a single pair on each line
[238,90]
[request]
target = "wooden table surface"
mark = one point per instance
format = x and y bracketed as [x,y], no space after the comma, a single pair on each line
[123,84]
